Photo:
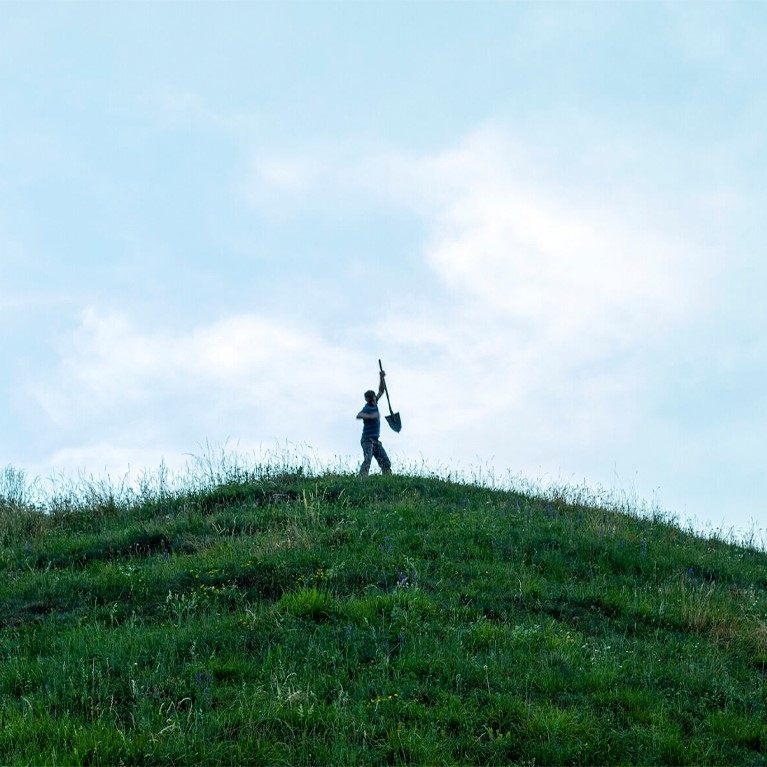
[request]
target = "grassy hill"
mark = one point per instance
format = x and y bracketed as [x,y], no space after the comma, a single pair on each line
[278,618]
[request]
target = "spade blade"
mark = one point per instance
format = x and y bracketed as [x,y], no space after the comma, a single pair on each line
[394,421]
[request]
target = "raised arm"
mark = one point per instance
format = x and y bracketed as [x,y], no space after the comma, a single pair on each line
[381,385]
[365,414]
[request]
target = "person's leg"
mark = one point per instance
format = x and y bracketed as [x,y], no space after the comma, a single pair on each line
[381,457]
[367,455]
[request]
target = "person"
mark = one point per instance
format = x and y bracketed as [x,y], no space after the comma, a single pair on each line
[371,431]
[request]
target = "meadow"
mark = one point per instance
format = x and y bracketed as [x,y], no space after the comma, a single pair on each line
[285,617]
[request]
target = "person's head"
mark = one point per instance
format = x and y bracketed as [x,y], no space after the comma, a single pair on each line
[370,397]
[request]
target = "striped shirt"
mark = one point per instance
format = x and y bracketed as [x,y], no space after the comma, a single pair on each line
[371,427]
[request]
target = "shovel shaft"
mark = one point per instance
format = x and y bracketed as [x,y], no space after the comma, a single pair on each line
[386,391]
[393,419]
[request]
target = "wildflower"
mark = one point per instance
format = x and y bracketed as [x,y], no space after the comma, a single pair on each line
[378,699]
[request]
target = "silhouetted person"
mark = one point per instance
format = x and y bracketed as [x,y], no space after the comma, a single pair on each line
[371,431]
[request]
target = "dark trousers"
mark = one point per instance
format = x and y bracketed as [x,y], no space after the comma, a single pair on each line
[372,448]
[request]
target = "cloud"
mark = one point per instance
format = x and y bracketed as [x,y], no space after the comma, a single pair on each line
[288,173]
[538,342]
[561,305]
[547,255]
[241,374]
[549,263]
[553,303]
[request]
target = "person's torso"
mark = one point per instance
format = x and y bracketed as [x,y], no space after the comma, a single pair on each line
[371,428]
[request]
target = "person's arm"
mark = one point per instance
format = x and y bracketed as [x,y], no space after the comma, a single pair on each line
[368,416]
[381,385]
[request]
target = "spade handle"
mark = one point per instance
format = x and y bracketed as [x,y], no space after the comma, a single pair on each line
[386,391]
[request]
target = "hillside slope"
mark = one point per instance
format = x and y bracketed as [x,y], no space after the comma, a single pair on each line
[285,619]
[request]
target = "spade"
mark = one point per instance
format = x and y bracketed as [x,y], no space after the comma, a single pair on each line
[392,419]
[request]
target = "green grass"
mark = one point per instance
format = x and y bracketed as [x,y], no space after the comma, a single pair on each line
[278,618]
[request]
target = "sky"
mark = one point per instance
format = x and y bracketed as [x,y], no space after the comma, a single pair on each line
[545,218]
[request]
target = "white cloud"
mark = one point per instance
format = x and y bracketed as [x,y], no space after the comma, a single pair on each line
[561,304]
[556,298]
[550,262]
[548,256]
[103,459]
[539,351]
[287,173]
[174,108]
[242,374]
